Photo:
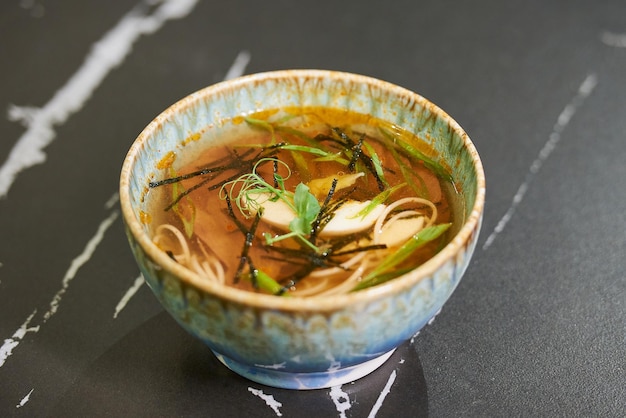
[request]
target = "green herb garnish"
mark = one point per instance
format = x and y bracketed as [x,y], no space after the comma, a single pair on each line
[382,272]
[304,205]
[264,281]
[306,208]
[379,199]
[433,165]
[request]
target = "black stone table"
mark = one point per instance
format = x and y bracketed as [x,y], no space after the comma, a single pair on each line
[537,327]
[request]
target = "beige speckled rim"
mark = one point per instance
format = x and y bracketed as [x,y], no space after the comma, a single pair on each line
[320,304]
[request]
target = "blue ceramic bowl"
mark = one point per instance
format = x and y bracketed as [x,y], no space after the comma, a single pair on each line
[302,343]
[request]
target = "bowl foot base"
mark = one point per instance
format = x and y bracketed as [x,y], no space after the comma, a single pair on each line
[304,381]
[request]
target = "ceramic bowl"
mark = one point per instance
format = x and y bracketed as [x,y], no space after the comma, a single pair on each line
[302,343]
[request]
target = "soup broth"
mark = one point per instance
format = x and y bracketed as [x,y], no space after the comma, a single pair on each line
[303,202]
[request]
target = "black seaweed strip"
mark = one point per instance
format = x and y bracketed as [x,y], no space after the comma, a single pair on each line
[364,158]
[186,192]
[340,243]
[207,170]
[253,274]
[226,180]
[327,138]
[314,259]
[244,258]
[295,278]
[231,213]
[326,215]
[348,141]
[369,164]
[331,192]
[357,151]
[318,225]
[248,167]
[283,260]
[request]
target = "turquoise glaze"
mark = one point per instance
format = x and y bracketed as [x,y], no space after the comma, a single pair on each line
[301,343]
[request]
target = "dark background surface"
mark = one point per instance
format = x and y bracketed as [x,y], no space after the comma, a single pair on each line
[536,327]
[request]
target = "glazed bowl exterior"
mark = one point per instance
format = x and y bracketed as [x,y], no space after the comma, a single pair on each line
[301,343]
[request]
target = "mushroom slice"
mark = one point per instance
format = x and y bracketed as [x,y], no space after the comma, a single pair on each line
[320,187]
[398,231]
[346,219]
[275,212]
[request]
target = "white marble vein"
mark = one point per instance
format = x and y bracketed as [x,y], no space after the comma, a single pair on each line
[105,55]
[585,89]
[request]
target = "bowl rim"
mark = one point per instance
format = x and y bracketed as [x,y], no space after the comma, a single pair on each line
[310,303]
